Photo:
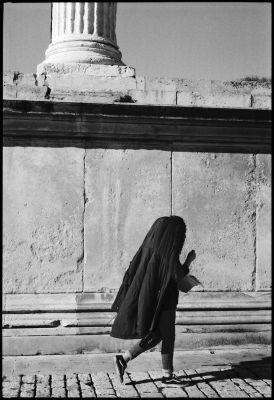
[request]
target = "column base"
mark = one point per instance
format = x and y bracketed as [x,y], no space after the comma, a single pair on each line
[103,70]
[84,49]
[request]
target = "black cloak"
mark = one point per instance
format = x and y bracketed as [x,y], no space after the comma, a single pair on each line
[138,301]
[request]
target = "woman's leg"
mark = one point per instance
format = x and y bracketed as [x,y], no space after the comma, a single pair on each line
[167,330]
[149,341]
[120,361]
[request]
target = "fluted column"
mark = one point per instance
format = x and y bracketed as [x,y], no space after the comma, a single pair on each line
[84,33]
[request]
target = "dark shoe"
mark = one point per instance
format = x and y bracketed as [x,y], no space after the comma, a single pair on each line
[173,381]
[120,366]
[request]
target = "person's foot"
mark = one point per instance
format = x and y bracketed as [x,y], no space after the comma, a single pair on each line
[173,381]
[120,366]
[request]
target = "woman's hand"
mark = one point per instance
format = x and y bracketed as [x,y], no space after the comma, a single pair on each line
[191,256]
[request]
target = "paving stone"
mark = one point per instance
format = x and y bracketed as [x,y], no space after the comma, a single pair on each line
[190,376]
[42,386]
[28,386]
[9,393]
[27,392]
[174,392]
[125,389]
[193,391]
[244,386]
[84,378]
[72,386]
[86,385]
[102,385]
[265,391]
[205,382]
[233,395]
[156,377]
[87,393]
[28,379]
[58,392]
[10,389]
[143,383]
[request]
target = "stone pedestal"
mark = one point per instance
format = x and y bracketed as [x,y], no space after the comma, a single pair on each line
[82,33]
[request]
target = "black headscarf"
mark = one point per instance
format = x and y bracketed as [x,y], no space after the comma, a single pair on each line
[139,298]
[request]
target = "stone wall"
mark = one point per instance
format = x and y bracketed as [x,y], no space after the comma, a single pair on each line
[73,218]
[121,85]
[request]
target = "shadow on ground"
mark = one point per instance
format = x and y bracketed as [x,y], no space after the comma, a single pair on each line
[257,369]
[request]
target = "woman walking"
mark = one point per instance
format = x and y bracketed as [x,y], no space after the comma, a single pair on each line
[147,299]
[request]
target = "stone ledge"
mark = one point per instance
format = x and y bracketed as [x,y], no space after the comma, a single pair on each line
[92,84]
[168,127]
[104,343]
[102,300]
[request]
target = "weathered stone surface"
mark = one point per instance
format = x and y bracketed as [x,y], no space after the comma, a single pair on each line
[215,195]
[9,91]
[153,96]
[81,69]
[31,92]
[126,191]
[85,82]
[262,101]
[263,222]
[42,219]
[91,83]
[158,83]
[216,100]
[85,96]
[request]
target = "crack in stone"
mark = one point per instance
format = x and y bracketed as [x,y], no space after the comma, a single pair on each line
[254,228]
[84,211]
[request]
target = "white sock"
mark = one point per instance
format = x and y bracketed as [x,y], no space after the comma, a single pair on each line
[127,356]
[167,373]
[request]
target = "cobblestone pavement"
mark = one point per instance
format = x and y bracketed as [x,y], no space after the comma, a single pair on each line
[229,381]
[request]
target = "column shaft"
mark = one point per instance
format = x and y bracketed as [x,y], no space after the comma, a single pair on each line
[84,32]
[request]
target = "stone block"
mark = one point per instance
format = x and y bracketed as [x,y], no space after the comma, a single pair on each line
[162,84]
[26,79]
[263,222]
[200,86]
[126,190]
[92,83]
[222,100]
[215,195]
[85,69]
[9,91]
[42,219]
[31,92]
[261,102]
[153,97]
[228,101]
[262,90]
[8,78]
[140,82]
[85,96]
[189,99]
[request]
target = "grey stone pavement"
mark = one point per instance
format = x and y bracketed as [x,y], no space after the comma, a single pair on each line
[216,373]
